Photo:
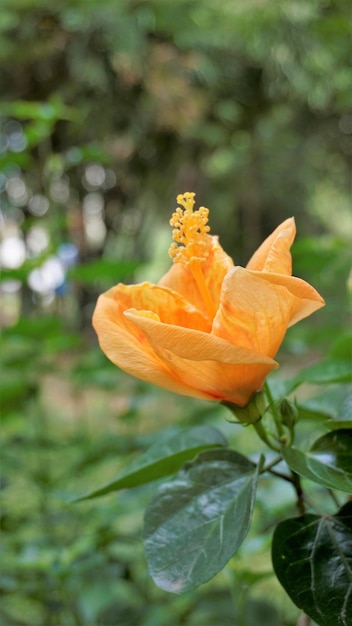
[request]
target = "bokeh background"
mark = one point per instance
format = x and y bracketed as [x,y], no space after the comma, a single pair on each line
[110,108]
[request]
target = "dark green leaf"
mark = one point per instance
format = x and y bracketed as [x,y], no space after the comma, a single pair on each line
[162,459]
[312,558]
[335,449]
[328,462]
[196,522]
[337,424]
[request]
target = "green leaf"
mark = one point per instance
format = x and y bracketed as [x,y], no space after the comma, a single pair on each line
[280,388]
[328,462]
[332,371]
[342,347]
[333,401]
[197,521]
[35,328]
[162,459]
[312,558]
[337,424]
[103,269]
[335,370]
[44,111]
[335,449]
[15,388]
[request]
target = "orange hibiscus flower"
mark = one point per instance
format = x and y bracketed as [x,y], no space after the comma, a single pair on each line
[208,329]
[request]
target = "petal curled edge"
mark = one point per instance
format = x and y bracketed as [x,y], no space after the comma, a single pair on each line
[273,255]
[128,348]
[169,306]
[204,363]
[305,299]
[215,267]
[256,308]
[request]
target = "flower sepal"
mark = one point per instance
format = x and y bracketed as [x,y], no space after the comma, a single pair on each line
[252,412]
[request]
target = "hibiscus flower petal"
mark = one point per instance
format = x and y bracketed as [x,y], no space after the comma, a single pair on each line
[256,308]
[206,363]
[215,267]
[273,255]
[125,344]
[169,306]
[305,300]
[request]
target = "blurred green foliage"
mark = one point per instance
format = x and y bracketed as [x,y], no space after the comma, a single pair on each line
[109,110]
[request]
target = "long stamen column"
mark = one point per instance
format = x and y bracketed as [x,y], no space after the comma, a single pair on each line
[191,244]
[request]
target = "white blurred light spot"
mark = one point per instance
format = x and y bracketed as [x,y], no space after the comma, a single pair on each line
[131,221]
[17,142]
[12,252]
[60,189]
[10,286]
[110,179]
[17,191]
[95,233]
[93,204]
[38,240]
[38,205]
[48,277]
[94,176]
[95,229]
[15,136]
[17,215]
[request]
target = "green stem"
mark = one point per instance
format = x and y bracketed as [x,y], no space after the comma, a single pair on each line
[275,413]
[291,437]
[274,462]
[261,432]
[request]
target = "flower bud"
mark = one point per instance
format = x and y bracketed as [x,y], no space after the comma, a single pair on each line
[288,412]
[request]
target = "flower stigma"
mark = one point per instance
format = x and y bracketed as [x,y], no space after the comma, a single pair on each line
[191,244]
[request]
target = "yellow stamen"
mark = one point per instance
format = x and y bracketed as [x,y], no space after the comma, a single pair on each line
[191,243]
[186,200]
[190,231]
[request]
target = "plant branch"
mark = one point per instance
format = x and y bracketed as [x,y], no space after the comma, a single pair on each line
[274,462]
[300,503]
[280,475]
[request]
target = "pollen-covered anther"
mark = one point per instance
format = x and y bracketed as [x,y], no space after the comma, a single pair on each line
[190,230]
